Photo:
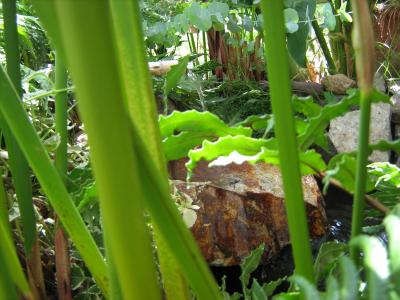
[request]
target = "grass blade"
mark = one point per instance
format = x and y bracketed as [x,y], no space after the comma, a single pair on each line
[52,184]
[278,75]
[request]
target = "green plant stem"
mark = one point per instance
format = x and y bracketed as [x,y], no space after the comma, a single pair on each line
[18,165]
[280,90]
[10,269]
[142,111]
[88,43]
[364,47]
[63,268]
[204,46]
[194,48]
[38,158]
[324,47]
[361,171]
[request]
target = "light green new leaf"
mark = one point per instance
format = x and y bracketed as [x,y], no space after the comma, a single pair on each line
[239,149]
[195,121]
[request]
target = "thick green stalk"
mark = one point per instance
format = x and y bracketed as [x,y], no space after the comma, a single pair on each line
[364,47]
[18,164]
[324,46]
[142,110]
[88,44]
[52,184]
[10,269]
[278,76]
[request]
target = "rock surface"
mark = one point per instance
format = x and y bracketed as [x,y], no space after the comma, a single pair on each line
[343,130]
[338,83]
[394,89]
[242,206]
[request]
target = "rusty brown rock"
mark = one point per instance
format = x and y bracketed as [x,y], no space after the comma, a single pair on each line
[241,207]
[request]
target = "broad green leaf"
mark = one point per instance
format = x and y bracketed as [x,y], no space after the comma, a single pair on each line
[342,167]
[297,41]
[306,106]
[181,23]
[178,146]
[195,121]
[218,9]
[174,75]
[376,264]
[239,149]
[328,255]
[233,25]
[247,24]
[348,281]
[291,20]
[198,16]
[329,17]
[307,289]
[249,265]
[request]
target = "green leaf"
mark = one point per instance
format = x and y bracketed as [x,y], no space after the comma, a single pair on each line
[174,75]
[198,16]
[219,11]
[257,292]
[344,15]
[306,106]
[328,255]
[392,225]
[249,265]
[342,167]
[195,121]
[318,124]
[270,287]
[248,24]
[329,17]
[181,23]
[376,265]
[291,20]
[297,41]
[256,122]
[348,281]
[332,289]
[385,146]
[307,289]
[238,149]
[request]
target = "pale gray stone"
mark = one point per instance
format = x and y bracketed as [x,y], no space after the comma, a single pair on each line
[394,89]
[344,130]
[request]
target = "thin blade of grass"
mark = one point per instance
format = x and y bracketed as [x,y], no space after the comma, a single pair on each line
[53,186]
